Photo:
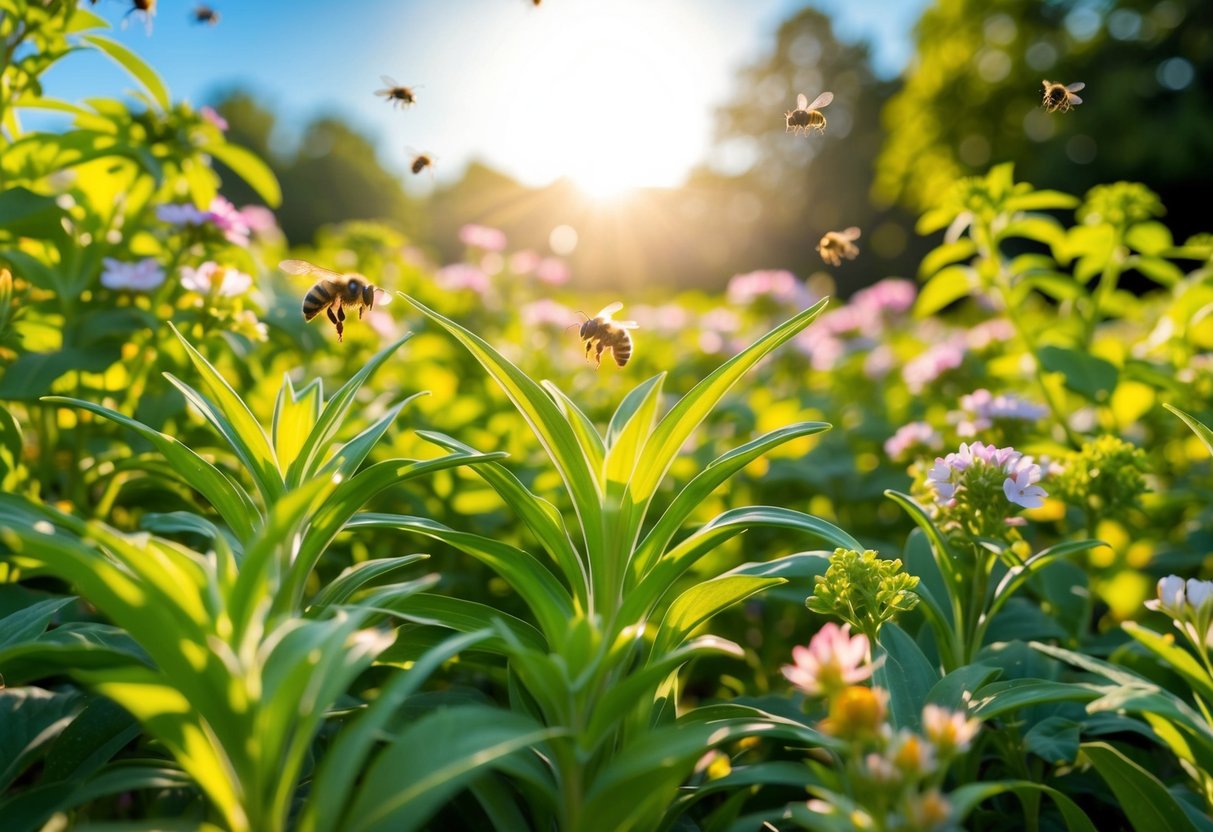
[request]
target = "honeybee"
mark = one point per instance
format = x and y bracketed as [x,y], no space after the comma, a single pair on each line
[396,93]
[421,161]
[836,245]
[205,14]
[1061,97]
[605,333]
[808,116]
[334,291]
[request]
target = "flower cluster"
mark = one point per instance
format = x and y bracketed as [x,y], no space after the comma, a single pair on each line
[981,409]
[863,590]
[890,778]
[1106,475]
[772,286]
[933,363]
[976,487]
[482,237]
[1190,605]
[211,277]
[234,224]
[143,276]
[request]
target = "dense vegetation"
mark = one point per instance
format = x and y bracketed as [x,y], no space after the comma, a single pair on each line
[926,559]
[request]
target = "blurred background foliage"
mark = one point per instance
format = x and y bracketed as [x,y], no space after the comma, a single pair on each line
[969,97]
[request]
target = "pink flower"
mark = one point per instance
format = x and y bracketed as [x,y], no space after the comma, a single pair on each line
[258,218]
[524,262]
[1021,473]
[136,277]
[227,219]
[777,284]
[547,312]
[833,660]
[211,277]
[482,237]
[892,296]
[1021,487]
[910,436]
[951,732]
[933,363]
[212,115]
[552,271]
[458,276]
[990,332]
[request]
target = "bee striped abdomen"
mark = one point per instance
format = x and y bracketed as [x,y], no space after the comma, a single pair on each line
[318,297]
[622,348]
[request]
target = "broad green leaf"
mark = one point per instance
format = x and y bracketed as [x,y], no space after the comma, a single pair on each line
[334,414]
[1163,272]
[967,797]
[945,287]
[955,690]
[1041,229]
[225,496]
[1150,238]
[135,66]
[548,601]
[465,616]
[1177,658]
[905,674]
[1142,796]
[1054,739]
[583,427]
[1018,575]
[24,213]
[249,167]
[1042,200]
[552,428]
[630,427]
[1199,428]
[708,480]
[701,602]
[676,426]
[295,415]
[1084,373]
[30,719]
[541,517]
[998,698]
[30,622]
[401,788]
[100,731]
[945,255]
[340,768]
[354,578]
[231,417]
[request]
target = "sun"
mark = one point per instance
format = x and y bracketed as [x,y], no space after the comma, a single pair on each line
[602,94]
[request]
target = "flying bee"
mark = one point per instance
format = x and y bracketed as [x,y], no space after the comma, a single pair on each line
[604,333]
[397,93]
[147,8]
[836,245]
[421,161]
[205,14]
[808,116]
[1061,97]
[334,291]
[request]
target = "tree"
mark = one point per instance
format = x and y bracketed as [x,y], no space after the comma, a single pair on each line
[972,97]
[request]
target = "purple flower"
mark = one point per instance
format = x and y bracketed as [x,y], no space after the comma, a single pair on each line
[136,277]
[1020,474]
[458,276]
[1021,487]
[211,277]
[482,237]
[212,115]
[181,214]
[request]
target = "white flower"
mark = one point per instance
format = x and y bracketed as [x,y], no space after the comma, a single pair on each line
[137,277]
[1199,592]
[210,276]
[1021,488]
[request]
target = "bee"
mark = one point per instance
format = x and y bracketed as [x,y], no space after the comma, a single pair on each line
[808,116]
[1061,97]
[605,333]
[147,8]
[397,93]
[335,291]
[836,245]
[205,14]
[421,161]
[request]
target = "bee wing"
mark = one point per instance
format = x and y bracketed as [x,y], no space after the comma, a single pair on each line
[627,324]
[851,233]
[304,267]
[802,102]
[608,311]
[1077,86]
[389,80]
[1074,99]
[820,101]
[382,298]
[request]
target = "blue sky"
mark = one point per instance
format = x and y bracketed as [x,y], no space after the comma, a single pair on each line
[538,93]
